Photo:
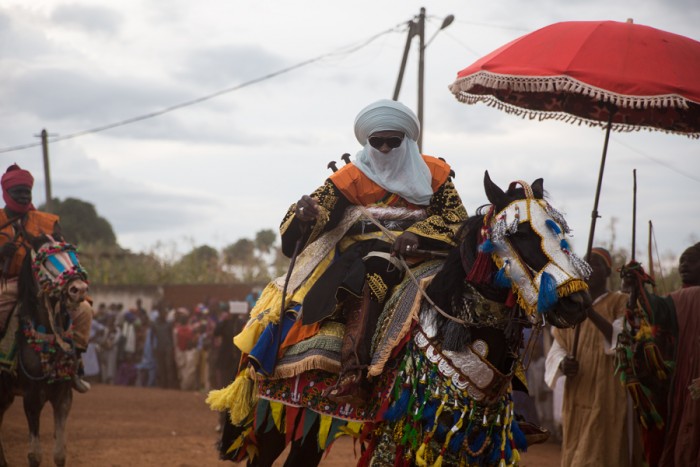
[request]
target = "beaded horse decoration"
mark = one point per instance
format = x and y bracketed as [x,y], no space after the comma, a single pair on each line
[61,280]
[563,273]
[452,402]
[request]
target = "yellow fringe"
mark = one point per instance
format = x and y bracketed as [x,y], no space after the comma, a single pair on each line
[438,461]
[574,285]
[238,397]
[317,362]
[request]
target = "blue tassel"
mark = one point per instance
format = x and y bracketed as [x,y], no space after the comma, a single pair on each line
[487,246]
[478,441]
[553,226]
[495,454]
[456,441]
[429,412]
[564,244]
[518,436]
[508,450]
[548,293]
[501,279]
[398,409]
[441,432]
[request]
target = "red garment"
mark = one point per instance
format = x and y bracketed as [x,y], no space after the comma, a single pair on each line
[682,442]
[15,176]
[184,337]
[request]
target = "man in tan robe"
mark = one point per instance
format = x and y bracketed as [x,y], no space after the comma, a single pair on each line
[594,416]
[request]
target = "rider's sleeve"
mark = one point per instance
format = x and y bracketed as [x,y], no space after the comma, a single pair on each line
[446,214]
[331,204]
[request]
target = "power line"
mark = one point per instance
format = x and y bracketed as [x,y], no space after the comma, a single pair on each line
[658,161]
[345,50]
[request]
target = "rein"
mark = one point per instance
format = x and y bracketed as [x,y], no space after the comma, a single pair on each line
[403,264]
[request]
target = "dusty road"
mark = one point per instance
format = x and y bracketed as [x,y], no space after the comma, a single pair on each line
[137,427]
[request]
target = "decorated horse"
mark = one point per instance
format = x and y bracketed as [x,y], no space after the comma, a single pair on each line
[445,357]
[52,284]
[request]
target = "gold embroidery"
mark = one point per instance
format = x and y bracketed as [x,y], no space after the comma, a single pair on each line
[377,286]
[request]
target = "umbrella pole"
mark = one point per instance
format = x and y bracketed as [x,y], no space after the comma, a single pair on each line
[594,215]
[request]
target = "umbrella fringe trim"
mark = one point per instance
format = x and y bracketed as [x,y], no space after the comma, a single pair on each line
[566,84]
[541,115]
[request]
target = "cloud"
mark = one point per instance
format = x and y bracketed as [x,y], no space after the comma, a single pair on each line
[90,19]
[227,65]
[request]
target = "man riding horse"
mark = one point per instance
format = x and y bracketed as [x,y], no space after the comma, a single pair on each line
[411,195]
[19,222]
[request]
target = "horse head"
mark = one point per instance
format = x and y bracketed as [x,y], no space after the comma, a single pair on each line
[57,272]
[526,238]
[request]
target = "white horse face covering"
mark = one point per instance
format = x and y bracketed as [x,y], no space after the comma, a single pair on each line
[401,171]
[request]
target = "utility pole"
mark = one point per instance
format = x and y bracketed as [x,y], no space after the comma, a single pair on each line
[421,72]
[416,27]
[47,176]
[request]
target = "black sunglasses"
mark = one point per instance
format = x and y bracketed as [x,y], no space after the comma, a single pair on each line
[378,141]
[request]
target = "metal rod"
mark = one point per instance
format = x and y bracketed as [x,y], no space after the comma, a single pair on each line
[594,214]
[404,59]
[651,256]
[634,213]
[421,74]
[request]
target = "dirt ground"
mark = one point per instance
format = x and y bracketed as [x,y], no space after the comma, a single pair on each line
[139,427]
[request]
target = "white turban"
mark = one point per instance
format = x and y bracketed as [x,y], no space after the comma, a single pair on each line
[402,171]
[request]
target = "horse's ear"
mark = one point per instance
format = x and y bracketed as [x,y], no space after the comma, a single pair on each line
[538,188]
[494,194]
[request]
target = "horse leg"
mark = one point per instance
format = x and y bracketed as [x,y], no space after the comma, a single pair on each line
[61,401]
[305,452]
[270,446]
[33,403]
[6,399]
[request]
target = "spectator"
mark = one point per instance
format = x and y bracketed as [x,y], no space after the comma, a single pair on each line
[164,351]
[596,428]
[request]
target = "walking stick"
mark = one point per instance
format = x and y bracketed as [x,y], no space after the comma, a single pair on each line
[297,248]
[594,213]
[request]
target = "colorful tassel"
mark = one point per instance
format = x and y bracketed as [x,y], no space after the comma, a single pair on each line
[238,397]
[553,226]
[548,293]
[398,409]
[501,279]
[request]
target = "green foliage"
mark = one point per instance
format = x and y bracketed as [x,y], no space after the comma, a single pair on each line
[107,263]
[81,224]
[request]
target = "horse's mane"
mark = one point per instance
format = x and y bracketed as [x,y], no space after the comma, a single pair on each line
[27,287]
[450,284]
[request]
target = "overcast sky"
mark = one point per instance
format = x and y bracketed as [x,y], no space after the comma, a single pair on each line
[225,168]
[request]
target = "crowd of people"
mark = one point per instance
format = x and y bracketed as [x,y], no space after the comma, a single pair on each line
[585,404]
[167,347]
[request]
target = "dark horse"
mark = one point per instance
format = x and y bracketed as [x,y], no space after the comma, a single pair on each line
[442,390]
[51,285]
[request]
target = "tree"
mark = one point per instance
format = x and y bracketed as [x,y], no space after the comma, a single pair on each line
[264,240]
[81,224]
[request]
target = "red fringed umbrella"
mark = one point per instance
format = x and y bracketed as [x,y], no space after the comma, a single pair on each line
[621,76]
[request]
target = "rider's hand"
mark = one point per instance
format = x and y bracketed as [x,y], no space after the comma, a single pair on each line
[569,366]
[306,209]
[406,244]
